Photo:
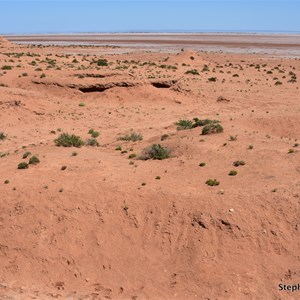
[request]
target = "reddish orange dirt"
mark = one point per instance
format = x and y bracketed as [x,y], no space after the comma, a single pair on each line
[107,226]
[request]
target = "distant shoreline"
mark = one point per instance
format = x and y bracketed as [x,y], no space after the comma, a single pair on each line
[282,44]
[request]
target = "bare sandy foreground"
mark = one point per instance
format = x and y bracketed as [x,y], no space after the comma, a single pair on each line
[134,174]
[275,43]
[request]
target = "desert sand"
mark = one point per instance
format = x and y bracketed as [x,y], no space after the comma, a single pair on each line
[100,222]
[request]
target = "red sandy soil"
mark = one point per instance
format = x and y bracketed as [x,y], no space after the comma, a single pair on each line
[106,227]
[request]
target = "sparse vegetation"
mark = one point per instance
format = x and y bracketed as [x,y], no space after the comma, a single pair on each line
[23,165]
[67,140]
[232,173]
[102,63]
[6,67]
[26,154]
[133,137]
[212,128]
[184,124]
[212,182]
[188,124]
[34,160]
[2,136]
[193,72]
[156,151]
[212,79]
[92,142]
[94,133]
[238,163]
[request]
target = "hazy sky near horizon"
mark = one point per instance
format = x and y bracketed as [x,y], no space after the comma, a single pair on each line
[66,16]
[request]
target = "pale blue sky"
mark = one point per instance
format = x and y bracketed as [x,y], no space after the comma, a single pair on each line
[63,16]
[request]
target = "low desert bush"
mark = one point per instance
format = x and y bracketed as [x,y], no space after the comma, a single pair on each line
[23,165]
[2,136]
[68,140]
[102,62]
[193,72]
[232,173]
[212,79]
[34,160]
[189,124]
[6,67]
[184,124]
[133,137]
[212,182]
[212,128]
[94,133]
[92,142]
[238,163]
[26,154]
[156,151]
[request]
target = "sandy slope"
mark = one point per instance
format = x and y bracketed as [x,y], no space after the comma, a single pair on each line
[105,227]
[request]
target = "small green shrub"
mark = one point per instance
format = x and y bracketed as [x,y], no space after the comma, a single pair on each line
[102,62]
[23,165]
[119,148]
[212,182]
[212,128]
[92,142]
[81,104]
[133,155]
[156,151]
[212,79]
[238,163]
[134,137]
[184,124]
[6,67]
[164,137]
[198,122]
[34,160]
[202,164]
[94,133]
[188,124]
[67,140]
[232,173]
[193,72]
[2,136]
[26,154]
[205,68]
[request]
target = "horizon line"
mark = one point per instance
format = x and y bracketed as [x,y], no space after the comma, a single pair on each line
[156,31]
